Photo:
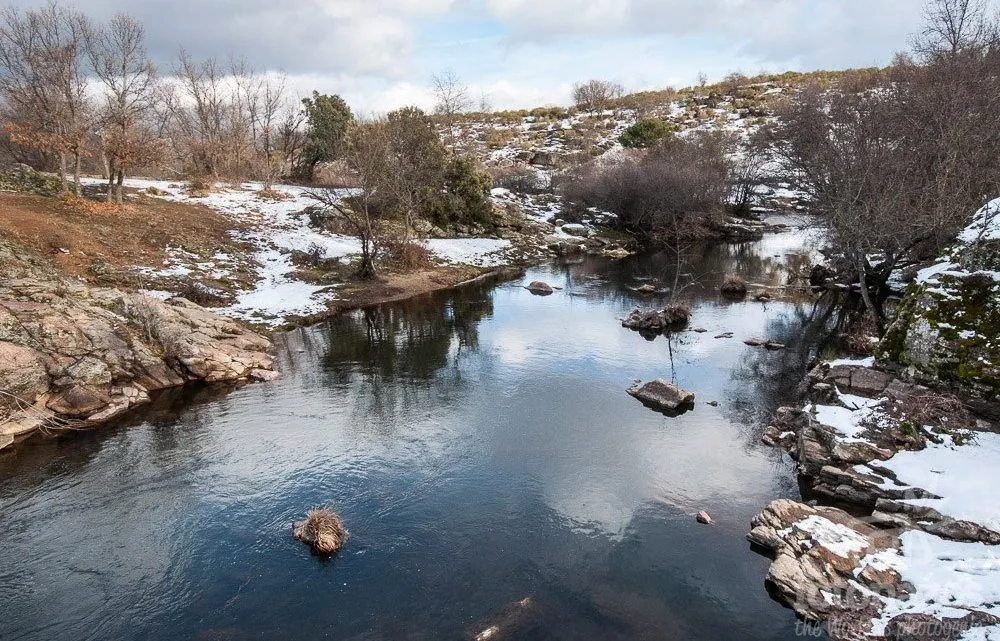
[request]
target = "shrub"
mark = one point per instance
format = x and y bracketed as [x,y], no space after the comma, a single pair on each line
[466,196]
[677,190]
[733,286]
[408,255]
[200,186]
[522,180]
[646,133]
[200,293]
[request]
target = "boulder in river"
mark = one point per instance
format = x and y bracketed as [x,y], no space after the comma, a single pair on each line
[669,318]
[322,530]
[704,518]
[539,288]
[663,396]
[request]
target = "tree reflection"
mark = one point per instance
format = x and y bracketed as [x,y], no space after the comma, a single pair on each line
[395,356]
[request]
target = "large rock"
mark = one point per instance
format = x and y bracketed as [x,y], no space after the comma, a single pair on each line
[817,553]
[539,288]
[946,329]
[91,354]
[662,395]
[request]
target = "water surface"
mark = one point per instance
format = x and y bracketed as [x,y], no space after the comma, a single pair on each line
[480,447]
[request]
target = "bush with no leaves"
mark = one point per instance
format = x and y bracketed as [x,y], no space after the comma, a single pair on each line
[675,191]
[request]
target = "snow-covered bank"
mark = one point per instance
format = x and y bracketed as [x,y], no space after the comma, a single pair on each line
[926,469]
[276,229]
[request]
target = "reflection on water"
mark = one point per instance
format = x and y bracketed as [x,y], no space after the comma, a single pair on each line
[479,445]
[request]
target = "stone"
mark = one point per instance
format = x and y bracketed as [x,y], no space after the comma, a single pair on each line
[662,395]
[575,229]
[672,317]
[704,518]
[539,288]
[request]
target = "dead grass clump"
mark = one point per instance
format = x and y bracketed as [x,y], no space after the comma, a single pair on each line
[322,530]
[677,314]
[200,186]
[270,194]
[862,335]
[733,286]
[409,255]
[934,409]
[200,293]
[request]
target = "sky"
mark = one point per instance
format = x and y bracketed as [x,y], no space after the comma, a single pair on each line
[382,54]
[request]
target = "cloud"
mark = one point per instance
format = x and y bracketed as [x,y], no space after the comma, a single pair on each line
[381,54]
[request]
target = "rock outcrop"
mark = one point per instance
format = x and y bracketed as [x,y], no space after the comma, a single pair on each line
[89,354]
[945,328]
[816,553]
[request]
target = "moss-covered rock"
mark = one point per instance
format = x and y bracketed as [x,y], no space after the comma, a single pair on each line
[24,179]
[948,328]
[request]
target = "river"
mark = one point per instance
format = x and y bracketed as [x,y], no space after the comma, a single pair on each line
[481,449]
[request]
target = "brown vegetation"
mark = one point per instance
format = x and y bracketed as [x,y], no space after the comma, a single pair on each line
[88,238]
[733,286]
[322,530]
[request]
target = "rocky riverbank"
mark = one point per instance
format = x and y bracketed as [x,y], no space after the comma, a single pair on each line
[73,355]
[909,447]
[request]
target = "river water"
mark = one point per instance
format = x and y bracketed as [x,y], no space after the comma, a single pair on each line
[480,447]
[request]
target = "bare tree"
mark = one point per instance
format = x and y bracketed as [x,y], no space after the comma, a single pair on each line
[897,171]
[596,94]
[119,60]
[201,113]
[367,152]
[953,25]
[43,82]
[451,93]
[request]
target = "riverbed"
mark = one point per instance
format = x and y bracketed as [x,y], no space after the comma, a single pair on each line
[481,449]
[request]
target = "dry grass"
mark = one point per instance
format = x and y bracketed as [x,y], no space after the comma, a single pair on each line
[270,194]
[677,314]
[88,206]
[733,286]
[862,335]
[322,530]
[409,255]
[78,233]
[935,409]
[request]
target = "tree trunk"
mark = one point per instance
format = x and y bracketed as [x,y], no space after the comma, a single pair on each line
[119,188]
[112,172]
[62,172]
[76,172]
[867,297]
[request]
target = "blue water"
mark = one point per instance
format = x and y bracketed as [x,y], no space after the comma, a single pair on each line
[479,446]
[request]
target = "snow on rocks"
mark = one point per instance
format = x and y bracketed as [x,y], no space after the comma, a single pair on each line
[938,566]
[985,224]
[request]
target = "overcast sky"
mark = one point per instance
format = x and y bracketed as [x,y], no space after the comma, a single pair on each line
[381,54]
